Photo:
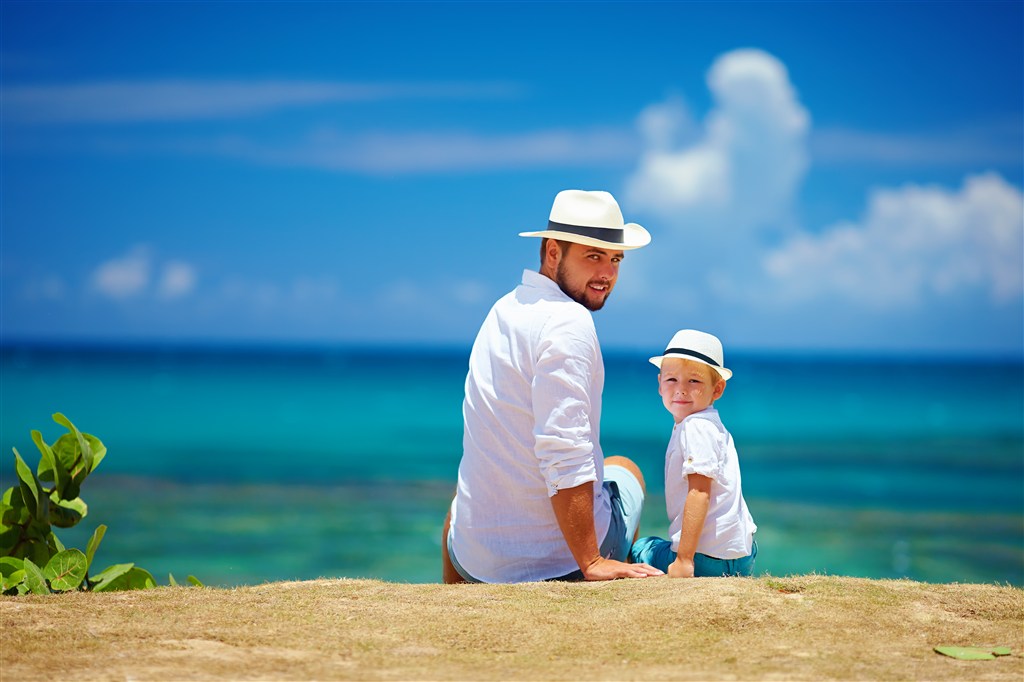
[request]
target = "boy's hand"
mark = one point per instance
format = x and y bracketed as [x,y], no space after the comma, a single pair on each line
[681,568]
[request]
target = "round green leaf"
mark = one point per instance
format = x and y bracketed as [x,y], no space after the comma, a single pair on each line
[66,570]
[9,565]
[66,513]
[134,578]
[12,582]
[12,508]
[103,580]
[34,579]
[68,452]
[35,549]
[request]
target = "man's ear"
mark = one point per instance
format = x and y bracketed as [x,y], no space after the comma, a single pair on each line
[552,255]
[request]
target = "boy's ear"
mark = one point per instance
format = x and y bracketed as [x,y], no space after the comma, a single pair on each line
[719,390]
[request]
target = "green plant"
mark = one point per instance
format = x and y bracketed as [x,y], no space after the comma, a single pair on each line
[32,557]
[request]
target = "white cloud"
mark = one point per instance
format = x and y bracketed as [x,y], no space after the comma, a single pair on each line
[913,242]
[132,275]
[442,151]
[177,280]
[124,277]
[184,99]
[730,254]
[746,167]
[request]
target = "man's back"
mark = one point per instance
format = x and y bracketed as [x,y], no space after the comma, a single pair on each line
[532,417]
[535,500]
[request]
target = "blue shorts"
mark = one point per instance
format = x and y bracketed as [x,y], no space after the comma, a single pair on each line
[658,553]
[627,500]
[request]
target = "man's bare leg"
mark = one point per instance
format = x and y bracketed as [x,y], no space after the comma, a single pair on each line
[630,466]
[448,573]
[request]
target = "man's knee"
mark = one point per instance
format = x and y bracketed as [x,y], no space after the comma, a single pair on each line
[630,466]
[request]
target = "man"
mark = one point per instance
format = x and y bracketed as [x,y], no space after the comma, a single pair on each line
[536,499]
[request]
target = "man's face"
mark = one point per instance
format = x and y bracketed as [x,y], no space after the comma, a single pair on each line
[587,274]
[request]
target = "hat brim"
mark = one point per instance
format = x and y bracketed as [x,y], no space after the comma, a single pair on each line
[633,237]
[726,374]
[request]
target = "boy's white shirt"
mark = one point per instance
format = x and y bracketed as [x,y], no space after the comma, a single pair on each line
[701,444]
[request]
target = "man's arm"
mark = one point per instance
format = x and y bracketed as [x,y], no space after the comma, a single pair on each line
[695,510]
[574,509]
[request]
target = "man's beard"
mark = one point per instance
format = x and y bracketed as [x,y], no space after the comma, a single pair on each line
[580,296]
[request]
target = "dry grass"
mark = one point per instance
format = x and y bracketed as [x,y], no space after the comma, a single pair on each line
[800,628]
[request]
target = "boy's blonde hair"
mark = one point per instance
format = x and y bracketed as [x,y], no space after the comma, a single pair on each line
[716,378]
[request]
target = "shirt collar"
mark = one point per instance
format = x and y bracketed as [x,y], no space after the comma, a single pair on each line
[544,283]
[709,413]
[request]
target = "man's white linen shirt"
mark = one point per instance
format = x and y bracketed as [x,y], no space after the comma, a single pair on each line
[702,445]
[532,416]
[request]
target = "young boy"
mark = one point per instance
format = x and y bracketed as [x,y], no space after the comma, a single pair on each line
[712,533]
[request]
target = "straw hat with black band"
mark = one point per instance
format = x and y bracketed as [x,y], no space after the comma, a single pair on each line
[690,344]
[592,218]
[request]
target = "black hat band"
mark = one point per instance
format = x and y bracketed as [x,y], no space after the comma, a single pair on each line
[693,354]
[614,235]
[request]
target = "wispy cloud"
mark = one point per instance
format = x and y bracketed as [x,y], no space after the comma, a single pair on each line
[999,144]
[125,276]
[914,242]
[442,151]
[178,279]
[132,276]
[185,100]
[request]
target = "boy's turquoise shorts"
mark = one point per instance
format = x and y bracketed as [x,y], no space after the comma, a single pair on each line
[658,553]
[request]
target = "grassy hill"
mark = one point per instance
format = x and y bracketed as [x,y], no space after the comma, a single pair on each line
[797,628]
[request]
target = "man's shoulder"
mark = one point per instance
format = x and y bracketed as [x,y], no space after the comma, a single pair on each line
[547,302]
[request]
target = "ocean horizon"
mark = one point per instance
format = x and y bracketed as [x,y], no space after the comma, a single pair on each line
[243,464]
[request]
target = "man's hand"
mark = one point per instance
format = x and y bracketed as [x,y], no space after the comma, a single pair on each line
[574,509]
[609,569]
[681,568]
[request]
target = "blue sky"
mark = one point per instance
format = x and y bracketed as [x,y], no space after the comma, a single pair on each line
[830,176]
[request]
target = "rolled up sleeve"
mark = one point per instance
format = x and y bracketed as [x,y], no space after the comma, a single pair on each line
[703,449]
[569,374]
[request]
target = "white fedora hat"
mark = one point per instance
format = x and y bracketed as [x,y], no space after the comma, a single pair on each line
[593,219]
[690,344]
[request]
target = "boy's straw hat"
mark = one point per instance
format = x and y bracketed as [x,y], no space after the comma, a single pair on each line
[593,219]
[690,344]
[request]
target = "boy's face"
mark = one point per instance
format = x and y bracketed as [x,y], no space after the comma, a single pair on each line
[687,387]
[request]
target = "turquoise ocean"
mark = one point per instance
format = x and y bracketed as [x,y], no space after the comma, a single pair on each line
[242,465]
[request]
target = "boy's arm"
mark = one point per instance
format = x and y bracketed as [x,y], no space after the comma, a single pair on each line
[694,512]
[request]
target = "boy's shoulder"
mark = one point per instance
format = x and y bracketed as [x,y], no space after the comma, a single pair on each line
[704,419]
